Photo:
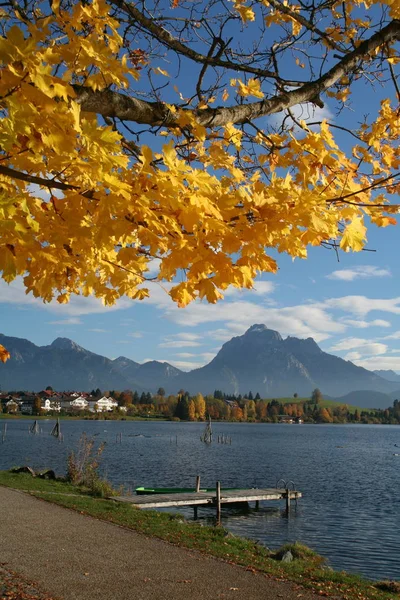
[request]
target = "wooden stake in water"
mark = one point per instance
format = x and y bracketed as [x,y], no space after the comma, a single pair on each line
[3,437]
[34,428]
[56,431]
[207,435]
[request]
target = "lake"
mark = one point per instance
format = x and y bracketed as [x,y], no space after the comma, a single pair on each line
[348,474]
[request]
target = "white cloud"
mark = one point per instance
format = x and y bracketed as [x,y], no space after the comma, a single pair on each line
[186,365]
[70,321]
[352,356]
[374,348]
[360,324]
[189,337]
[179,364]
[14,293]
[95,330]
[178,344]
[208,355]
[185,354]
[222,335]
[349,343]
[380,362]
[365,347]
[393,336]
[153,267]
[308,320]
[362,306]
[361,272]
[308,112]
[135,334]
[260,288]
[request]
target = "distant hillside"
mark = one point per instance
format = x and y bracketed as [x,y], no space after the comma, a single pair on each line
[67,366]
[366,399]
[260,361]
[388,374]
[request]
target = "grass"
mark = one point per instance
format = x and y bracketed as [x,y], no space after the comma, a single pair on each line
[324,403]
[107,417]
[307,569]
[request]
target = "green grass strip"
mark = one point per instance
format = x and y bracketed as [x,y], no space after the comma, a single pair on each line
[307,569]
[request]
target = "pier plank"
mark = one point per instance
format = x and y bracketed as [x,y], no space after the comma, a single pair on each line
[206,498]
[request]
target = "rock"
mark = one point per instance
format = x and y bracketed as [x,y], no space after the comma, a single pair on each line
[23,470]
[287,557]
[49,474]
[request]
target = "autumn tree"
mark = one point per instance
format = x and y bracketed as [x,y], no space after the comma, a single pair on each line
[125,399]
[191,410]
[161,392]
[37,406]
[251,409]
[90,90]
[200,407]
[316,396]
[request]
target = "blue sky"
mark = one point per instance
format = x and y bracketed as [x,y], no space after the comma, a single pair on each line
[351,308]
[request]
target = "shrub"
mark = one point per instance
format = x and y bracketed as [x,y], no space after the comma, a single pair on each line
[83,467]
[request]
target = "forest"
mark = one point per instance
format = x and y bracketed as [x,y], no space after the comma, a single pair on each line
[248,408]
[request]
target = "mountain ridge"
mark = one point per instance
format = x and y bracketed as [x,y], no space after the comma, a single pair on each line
[259,360]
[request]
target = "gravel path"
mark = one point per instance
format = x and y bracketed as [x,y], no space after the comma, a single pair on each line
[76,557]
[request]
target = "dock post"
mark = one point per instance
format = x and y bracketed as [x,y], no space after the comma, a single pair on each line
[257,504]
[197,483]
[218,486]
[195,512]
[287,502]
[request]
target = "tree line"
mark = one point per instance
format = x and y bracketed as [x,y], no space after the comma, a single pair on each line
[247,408]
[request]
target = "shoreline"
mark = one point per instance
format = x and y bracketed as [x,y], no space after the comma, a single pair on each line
[306,569]
[10,417]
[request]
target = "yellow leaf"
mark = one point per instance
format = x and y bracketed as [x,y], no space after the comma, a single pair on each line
[159,71]
[181,295]
[4,354]
[353,237]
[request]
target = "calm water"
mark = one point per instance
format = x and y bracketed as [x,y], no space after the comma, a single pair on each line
[348,474]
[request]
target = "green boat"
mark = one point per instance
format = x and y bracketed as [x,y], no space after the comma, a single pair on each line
[144,490]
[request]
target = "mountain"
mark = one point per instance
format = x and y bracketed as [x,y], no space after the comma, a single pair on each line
[366,399]
[67,366]
[260,361]
[150,375]
[388,374]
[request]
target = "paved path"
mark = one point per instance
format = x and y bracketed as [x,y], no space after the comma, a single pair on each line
[76,557]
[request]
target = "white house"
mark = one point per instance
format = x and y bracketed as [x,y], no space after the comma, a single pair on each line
[12,406]
[79,403]
[51,404]
[104,404]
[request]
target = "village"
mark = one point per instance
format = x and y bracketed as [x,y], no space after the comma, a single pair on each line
[49,401]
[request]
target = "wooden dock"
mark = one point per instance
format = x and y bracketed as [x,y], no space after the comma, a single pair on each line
[214,498]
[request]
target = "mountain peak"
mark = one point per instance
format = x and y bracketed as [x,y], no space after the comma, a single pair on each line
[65,344]
[267,333]
[308,345]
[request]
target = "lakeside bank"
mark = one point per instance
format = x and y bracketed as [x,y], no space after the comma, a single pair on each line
[306,569]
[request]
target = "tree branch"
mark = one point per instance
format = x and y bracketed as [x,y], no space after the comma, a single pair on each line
[163,36]
[114,104]
[49,183]
[303,21]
